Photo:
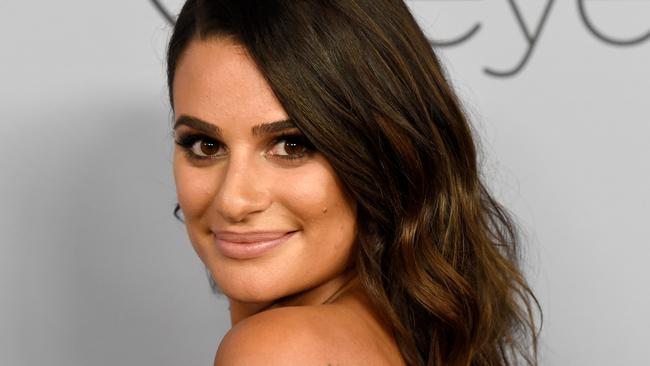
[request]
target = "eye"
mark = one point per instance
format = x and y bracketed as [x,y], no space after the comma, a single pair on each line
[205,148]
[291,147]
[200,147]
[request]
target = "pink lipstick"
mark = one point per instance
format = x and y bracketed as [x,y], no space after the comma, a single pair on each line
[249,244]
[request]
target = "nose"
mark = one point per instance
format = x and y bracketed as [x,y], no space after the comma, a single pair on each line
[242,190]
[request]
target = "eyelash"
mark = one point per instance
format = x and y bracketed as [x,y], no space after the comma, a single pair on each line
[187,141]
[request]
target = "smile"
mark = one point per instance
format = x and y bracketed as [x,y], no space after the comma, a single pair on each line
[249,245]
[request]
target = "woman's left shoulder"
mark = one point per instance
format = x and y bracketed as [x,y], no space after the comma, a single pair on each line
[301,335]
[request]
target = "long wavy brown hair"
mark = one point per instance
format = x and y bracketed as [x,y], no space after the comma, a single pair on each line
[437,255]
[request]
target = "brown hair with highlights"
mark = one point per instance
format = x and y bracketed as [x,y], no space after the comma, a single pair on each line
[437,255]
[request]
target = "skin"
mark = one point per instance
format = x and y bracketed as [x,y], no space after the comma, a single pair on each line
[300,302]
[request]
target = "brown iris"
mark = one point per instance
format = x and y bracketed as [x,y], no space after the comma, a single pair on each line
[209,147]
[293,148]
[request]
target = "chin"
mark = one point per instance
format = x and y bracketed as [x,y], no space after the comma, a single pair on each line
[252,294]
[249,288]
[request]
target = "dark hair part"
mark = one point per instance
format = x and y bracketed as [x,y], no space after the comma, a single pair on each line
[436,253]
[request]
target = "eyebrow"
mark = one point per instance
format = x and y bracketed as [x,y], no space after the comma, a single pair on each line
[261,129]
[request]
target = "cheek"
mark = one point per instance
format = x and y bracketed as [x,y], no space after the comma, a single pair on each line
[194,188]
[326,215]
[312,195]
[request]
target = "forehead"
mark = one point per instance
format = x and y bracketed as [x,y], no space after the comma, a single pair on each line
[216,80]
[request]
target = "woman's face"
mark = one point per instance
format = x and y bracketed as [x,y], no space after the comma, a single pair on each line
[264,212]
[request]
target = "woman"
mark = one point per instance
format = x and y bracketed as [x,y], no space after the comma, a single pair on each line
[328,180]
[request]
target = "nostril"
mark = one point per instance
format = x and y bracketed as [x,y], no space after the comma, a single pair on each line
[235,202]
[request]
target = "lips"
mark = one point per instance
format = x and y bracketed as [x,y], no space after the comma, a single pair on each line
[249,245]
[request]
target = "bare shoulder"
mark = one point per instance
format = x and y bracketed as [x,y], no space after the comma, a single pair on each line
[301,335]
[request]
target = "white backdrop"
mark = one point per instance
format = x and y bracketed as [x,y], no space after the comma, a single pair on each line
[94,270]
